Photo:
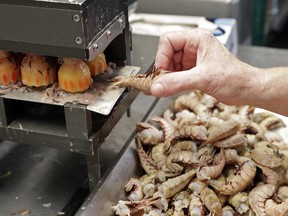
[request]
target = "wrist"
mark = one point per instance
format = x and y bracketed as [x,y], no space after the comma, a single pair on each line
[270,89]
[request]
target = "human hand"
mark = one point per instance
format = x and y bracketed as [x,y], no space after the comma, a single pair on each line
[198,60]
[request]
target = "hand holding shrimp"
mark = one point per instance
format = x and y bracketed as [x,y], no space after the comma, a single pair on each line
[198,60]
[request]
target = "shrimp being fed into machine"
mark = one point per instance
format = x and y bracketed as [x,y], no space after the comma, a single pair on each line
[143,82]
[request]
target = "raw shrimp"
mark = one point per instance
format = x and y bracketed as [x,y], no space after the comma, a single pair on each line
[273,208]
[222,130]
[181,201]
[129,208]
[134,189]
[258,197]
[196,185]
[266,157]
[174,185]
[234,141]
[166,126]
[148,134]
[187,145]
[142,82]
[271,123]
[196,207]
[148,164]
[158,154]
[238,182]
[211,201]
[214,171]
[228,211]
[240,202]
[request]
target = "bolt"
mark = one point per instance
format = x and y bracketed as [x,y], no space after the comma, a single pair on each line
[95,47]
[78,40]
[60,60]
[109,33]
[76,18]
[120,22]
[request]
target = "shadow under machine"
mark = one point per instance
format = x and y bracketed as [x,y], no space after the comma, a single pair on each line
[66,28]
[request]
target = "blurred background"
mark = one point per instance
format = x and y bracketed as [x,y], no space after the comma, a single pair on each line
[259,22]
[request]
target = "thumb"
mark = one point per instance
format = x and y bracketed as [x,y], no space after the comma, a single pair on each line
[175,82]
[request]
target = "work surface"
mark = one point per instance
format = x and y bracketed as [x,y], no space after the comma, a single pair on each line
[43,180]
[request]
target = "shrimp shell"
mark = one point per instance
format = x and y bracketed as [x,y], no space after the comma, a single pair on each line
[258,197]
[148,164]
[272,136]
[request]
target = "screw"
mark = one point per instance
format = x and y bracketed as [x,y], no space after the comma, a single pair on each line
[76,18]
[95,47]
[60,60]
[109,33]
[120,22]
[78,40]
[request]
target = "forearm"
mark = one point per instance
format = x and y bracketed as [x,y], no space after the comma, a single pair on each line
[271,90]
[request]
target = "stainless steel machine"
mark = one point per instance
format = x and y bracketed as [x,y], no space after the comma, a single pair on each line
[64,28]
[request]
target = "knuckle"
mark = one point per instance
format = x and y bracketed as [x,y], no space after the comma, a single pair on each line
[206,34]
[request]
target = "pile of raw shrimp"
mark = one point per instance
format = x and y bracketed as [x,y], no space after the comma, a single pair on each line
[202,157]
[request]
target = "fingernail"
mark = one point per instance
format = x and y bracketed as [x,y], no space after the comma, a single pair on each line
[158,88]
